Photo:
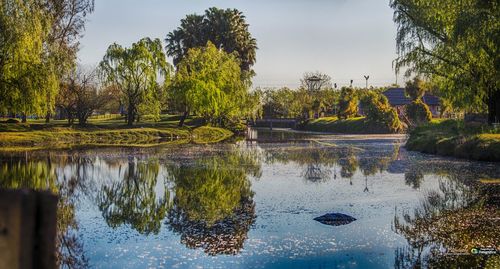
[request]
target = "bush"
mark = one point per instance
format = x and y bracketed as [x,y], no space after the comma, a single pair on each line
[348,104]
[418,113]
[377,109]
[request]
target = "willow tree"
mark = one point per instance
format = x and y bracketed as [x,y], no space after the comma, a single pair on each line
[136,72]
[208,83]
[25,79]
[455,44]
[38,44]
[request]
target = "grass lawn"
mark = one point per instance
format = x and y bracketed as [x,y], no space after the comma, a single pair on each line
[106,131]
[358,125]
[454,138]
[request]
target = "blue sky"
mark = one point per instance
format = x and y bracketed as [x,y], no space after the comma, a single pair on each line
[345,39]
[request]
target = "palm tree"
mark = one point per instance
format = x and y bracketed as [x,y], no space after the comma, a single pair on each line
[226,29]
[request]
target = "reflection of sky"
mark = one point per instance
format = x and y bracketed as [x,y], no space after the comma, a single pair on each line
[285,234]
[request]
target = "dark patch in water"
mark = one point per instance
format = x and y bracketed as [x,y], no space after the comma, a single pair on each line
[335,219]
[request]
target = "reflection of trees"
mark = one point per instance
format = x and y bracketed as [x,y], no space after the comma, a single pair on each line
[213,206]
[414,177]
[318,160]
[133,200]
[17,173]
[456,219]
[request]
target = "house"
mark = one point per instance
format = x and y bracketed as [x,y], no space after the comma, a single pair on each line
[398,99]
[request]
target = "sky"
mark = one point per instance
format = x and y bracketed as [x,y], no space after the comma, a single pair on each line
[345,39]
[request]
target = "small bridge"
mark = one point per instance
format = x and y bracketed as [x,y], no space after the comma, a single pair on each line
[275,123]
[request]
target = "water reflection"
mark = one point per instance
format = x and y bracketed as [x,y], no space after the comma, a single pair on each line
[461,215]
[133,199]
[320,162]
[213,206]
[41,174]
[196,199]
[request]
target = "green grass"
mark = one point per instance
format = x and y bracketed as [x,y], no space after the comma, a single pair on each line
[358,125]
[454,138]
[206,134]
[106,132]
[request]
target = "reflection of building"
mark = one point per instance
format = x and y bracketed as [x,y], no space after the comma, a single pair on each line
[398,99]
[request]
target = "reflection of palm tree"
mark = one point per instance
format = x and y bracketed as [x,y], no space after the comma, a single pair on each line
[224,236]
[213,206]
[133,200]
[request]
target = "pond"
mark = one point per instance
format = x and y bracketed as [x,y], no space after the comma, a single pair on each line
[252,204]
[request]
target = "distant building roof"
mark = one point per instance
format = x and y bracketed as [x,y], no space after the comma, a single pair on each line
[397,97]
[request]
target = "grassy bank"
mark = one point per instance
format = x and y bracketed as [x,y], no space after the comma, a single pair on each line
[105,133]
[454,138]
[359,125]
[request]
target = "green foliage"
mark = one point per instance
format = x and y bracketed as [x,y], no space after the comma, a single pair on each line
[455,44]
[357,125]
[454,138]
[133,200]
[415,89]
[136,72]
[208,83]
[38,44]
[213,188]
[348,103]
[226,29]
[418,112]
[378,109]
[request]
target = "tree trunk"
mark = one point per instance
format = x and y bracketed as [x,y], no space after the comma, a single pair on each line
[23,118]
[494,107]
[47,117]
[183,118]
[130,114]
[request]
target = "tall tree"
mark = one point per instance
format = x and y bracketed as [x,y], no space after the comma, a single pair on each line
[226,29]
[455,44]
[136,72]
[38,43]
[208,82]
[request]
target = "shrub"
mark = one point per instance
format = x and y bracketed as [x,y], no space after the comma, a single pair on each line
[377,109]
[418,113]
[348,104]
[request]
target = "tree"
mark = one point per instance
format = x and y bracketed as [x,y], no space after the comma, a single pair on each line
[378,109]
[454,43]
[417,111]
[348,103]
[208,83]
[38,43]
[80,96]
[415,89]
[136,72]
[226,29]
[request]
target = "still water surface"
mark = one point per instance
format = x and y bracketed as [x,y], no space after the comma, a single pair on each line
[251,204]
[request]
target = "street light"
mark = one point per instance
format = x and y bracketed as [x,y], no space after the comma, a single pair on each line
[367,77]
